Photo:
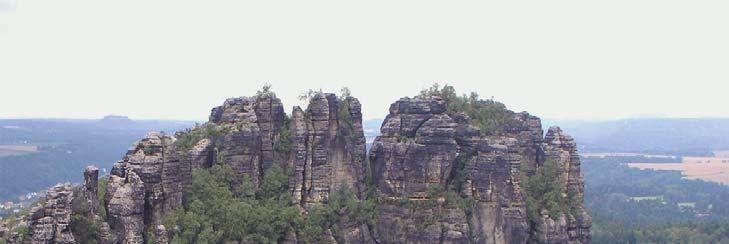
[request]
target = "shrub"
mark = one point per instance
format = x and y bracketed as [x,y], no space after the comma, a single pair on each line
[82,225]
[214,213]
[490,116]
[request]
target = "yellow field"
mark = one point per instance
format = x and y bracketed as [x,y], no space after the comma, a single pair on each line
[705,168]
[8,150]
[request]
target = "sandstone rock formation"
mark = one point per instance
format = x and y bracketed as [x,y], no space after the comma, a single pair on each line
[252,126]
[423,146]
[49,223]
[125,199]
[90,193]
[435,176]
[575,224]
[327,148]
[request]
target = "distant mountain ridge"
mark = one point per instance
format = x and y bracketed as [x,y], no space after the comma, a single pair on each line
[673,136]
[65,147]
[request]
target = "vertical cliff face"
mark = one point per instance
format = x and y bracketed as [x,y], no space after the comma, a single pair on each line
[125,206]
[417,148]
[49,223]
[90,193]
[527,130]
[156,163]
[422,147]
[576,223]
[252,125]
[328,148]
[434,176]
[149,182]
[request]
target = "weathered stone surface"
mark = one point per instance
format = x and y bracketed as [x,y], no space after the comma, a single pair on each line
[328,148]
[527,130]
[202,155]
[422,148]
[91,188]
[50,222]
[162,172]
[562,149]
[417,148]
[492,177]
[160,233]
[90,194]
[411,224]
[254,125]
[299,155]
[125,198]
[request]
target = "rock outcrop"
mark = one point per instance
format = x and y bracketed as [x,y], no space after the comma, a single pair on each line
[575,224]
[161,174]
[90,193]
[252,126]
[422,146]
[50,222]
[327,148]
[125,206]
[435,176]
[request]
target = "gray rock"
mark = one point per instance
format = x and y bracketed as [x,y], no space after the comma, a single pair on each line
[328,148]
[562,149]
[254,125]
[49,223]
[125,198]
[422,148]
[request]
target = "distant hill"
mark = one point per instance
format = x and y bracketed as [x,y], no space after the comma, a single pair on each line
[38,153]
[698,137]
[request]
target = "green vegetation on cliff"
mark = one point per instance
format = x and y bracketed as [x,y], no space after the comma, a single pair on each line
[214,212]
[544,193]
[83,227]
[491,116]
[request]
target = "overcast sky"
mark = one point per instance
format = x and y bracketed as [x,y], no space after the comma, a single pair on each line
[177,59]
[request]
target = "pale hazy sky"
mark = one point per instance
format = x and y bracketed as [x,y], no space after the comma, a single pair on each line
[176,59]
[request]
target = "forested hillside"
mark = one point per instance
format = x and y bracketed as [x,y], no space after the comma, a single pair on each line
[630,205]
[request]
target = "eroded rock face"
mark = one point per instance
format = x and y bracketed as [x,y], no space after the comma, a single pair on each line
[125,199]
[161,172]
[398,223]
[202,155]
[253,125]
[91,188]
[328,148]
[160,232]
[527,130]
[562,149]
[423,150]
[417,148]
[492,177]
[90,192]
[50,222]
[421,147]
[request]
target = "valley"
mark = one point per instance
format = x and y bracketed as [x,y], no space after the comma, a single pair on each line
[713,169]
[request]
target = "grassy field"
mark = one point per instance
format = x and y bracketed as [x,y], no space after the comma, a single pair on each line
[713,169]
[9,150]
